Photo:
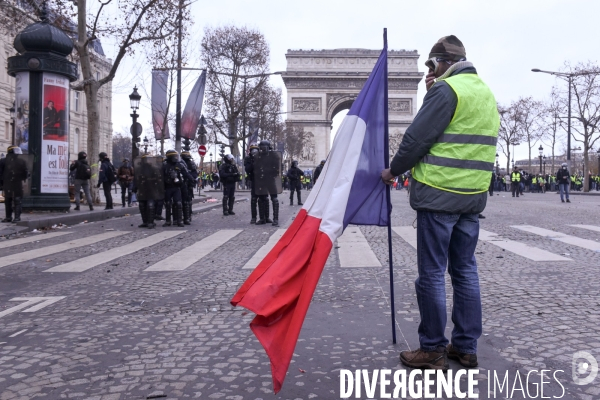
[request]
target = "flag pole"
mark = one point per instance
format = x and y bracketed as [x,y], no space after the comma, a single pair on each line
[388,193]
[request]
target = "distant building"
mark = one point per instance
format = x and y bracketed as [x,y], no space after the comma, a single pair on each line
[78,133]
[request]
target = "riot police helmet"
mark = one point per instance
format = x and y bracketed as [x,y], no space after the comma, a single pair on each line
[322,162]
[172,156]
[264,146]
[294,163]
[253,149]
[186,155]
[14,150]
[228,158]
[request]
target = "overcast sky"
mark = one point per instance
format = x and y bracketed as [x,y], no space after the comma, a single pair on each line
[504,39]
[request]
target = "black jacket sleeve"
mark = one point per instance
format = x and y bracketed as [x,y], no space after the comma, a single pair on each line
[430,122]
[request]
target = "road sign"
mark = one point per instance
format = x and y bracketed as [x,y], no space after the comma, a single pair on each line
[202,150]
[137,128]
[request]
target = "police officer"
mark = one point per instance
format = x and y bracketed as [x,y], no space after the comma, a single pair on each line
[229,177]
[264,148]
[515,181]
[174,175]
[249,166]
[295,175]
[188,188]
[12,182]
[146,184]
[318,170]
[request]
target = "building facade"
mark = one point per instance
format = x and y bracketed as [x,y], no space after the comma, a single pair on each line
[78,132]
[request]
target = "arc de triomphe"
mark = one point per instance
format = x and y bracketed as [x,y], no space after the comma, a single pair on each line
[321,83]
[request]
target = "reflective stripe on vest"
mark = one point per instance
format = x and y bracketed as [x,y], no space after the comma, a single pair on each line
[462,160]
[515,177]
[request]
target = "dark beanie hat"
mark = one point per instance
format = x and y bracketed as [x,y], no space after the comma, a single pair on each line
[448,47]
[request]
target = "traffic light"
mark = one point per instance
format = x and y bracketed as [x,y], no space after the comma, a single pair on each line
[222,151]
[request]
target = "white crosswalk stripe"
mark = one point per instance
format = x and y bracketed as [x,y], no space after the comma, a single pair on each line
[561,237]
[354,251]
[409,234]
[519,248]
[264,250]
[57,248]
[191,254]
[34,238]
[85,263]
[588,227]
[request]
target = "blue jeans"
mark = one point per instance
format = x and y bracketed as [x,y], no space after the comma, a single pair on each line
[564,187]
[448,240]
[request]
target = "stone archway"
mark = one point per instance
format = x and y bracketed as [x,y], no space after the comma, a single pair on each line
[321,83]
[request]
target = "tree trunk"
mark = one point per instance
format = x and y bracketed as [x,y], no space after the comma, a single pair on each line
[93,147]
[586,181]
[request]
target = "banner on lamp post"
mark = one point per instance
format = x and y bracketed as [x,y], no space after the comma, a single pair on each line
[193,109]
[159,104]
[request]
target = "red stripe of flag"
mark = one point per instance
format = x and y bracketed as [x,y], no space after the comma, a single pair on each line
[280,289]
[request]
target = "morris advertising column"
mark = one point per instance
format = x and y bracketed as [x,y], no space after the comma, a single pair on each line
[43,74]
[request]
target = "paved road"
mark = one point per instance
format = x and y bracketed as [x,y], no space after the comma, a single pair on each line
[108,311]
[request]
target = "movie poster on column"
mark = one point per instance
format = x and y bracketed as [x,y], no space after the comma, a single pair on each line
[22,106]
[55,134]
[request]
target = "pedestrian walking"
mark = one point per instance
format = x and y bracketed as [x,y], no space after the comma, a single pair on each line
[106,178]
[455,129]
[83,174]
[13,173]
[125,174]
[563,178]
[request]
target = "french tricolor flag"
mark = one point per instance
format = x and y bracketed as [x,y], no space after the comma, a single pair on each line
[348,191]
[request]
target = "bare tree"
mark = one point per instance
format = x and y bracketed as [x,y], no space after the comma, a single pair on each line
[529,127]
[237,60]
[121,148]
[551,122]
[509,133]
[140,23]
[295,140]
[586,111]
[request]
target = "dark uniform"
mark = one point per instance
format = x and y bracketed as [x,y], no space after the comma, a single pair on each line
[188,196]
[12,177]
[249,166]
[295,175]
[272,181]
[229,175]
[174,175]
[318,170]
[148,184]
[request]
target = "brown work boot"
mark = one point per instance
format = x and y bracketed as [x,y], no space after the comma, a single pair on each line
[425,359]
[466,360]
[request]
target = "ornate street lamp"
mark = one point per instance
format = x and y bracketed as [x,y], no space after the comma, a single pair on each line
[136,128]
[541,149]
[598,155]
[145,145]
[544,158]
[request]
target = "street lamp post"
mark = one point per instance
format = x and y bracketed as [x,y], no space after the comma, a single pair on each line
[497,164]
[145,145]
[541,149]
[544,158]
[12,122]
[136,128]
[569,77]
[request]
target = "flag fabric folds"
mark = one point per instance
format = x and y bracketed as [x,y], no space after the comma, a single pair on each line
[190,119]
[349,191]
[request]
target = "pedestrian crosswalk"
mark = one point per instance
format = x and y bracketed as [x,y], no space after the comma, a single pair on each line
[353,249]
[113,253]
[57,248]
[191,254]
